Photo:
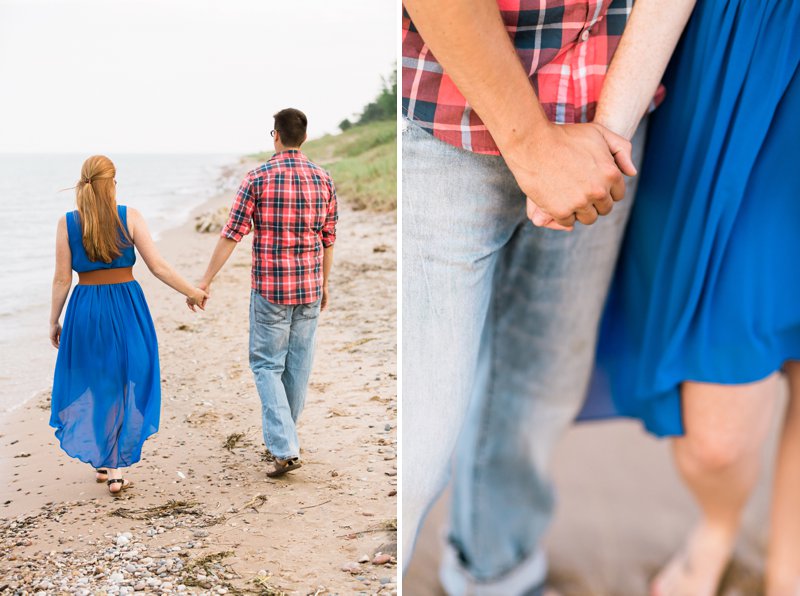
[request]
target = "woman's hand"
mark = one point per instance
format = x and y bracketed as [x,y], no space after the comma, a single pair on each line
[55,334]
[197,298]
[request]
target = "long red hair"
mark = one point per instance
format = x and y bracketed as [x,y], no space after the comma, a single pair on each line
[104,236]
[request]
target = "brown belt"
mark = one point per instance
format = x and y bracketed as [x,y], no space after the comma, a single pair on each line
[118,275]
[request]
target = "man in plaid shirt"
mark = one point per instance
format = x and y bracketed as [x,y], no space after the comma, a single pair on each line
[500,317]
[290,205]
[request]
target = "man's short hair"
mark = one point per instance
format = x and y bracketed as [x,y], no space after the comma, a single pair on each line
[291,124]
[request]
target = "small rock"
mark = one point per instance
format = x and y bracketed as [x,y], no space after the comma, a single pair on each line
[363,559]
[351,568]
[381,559]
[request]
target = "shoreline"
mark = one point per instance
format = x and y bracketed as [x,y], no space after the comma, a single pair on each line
[202,516]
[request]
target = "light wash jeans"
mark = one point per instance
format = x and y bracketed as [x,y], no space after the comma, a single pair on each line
[281,353]
[499,321]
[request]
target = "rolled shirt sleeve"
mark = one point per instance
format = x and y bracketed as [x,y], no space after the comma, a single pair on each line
[332,216]
[240,220]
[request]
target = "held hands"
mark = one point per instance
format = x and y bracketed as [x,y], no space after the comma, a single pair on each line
[199,297]
[571,172]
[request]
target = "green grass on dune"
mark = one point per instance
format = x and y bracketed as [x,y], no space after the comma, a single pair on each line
[363,163]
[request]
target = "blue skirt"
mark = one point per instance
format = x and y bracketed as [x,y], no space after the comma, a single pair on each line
[708,283]
[107,386]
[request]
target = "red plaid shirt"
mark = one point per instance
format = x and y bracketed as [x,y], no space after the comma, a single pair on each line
[564,45]
[291,203]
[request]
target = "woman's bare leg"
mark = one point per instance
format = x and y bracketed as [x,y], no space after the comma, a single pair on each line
[783,558]
[718,458]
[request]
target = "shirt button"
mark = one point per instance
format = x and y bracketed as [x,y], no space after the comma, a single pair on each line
[585,35]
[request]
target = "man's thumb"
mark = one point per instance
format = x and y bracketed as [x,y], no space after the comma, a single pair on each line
[624,161]
[620,148]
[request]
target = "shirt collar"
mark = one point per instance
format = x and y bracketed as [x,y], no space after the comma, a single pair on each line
[288,153]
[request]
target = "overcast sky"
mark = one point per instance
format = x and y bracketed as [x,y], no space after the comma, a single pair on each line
[110,76]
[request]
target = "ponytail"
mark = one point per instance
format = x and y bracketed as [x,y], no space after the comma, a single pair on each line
[104,235]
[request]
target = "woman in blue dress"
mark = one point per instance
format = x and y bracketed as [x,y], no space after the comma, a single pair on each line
[106,395]
[704,312]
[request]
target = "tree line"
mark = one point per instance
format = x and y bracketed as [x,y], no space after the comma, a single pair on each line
[384,107]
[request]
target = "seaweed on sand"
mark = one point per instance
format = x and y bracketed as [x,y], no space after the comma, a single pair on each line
[171,508]
[232,441]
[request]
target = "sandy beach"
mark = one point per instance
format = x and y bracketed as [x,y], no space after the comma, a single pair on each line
[622,513]
[202,516]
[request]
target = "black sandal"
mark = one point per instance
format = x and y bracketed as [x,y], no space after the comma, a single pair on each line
[287,466]
[100,471]
[124,482]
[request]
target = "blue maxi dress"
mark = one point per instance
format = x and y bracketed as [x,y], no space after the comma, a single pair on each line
[107,386]
[708,283]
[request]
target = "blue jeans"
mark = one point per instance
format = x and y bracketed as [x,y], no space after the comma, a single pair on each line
[499,326]
[281,353]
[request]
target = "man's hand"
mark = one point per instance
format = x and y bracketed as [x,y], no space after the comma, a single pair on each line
[324,302]
[570,172]
[620,149]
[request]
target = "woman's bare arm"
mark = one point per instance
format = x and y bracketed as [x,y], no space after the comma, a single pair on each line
[137,228]
[650,37]
[62,280]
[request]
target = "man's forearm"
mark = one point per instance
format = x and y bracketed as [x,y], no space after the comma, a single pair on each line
[221,254]
[327,264]
[469,40]
[644,51]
